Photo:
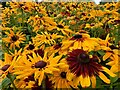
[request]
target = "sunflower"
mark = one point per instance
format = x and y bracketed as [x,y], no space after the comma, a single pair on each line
[14,39]
[37,66]
[63,78]
[86,68]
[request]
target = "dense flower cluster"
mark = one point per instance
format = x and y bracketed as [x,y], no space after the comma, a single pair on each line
[60,45]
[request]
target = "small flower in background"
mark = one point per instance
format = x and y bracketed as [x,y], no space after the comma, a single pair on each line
[14,39]
[46,38]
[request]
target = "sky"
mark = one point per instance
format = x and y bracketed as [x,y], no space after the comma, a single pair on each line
[96,1]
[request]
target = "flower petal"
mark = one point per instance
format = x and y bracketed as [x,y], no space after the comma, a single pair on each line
[109,72]
[85,81]
[104,78]
[93,80]
[107,55]
[41,78]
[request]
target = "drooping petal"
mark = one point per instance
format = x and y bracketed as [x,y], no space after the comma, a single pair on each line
[107,55]
[93,80]
[37,73]
[109,72]
[41,78]
[104,78]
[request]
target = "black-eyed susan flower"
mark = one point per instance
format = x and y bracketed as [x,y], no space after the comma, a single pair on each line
[62,28]
[46,38]
[14,39]
[113,54]
[79,41]
[26,82]
[63,78]
[30,48]
[57,48]
[7,64]
[86,68]
[37,66]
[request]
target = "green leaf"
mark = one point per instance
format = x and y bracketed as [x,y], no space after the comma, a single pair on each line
[1,52]
[91,53]
[99,82]
[5,83]
[101,52]
[113,79]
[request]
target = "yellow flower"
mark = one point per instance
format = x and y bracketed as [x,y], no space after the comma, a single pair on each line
[60,27]
[37,65]
[114,60]
[7,65]
[26,82]
[63,78]
[104,43]
[80,40]
[14,39]
[46,38]
[30,48]
[86,68]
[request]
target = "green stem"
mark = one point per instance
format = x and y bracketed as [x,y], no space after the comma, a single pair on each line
[9,76]
[44,84]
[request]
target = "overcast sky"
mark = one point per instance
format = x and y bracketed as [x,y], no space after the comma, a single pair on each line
[96,1]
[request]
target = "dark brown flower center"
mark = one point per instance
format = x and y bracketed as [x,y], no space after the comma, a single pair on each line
[81,64]
[31,47]
[63,74]
[57,46]
[113,47]
[40,52]
[14,38]
[83,58]
[40,64]
[5,67]
[60,26]
[29,78]
[77,36]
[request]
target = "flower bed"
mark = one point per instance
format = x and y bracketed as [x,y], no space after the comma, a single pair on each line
[60,45]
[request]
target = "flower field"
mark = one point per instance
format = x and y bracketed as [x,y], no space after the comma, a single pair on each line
[59,45]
